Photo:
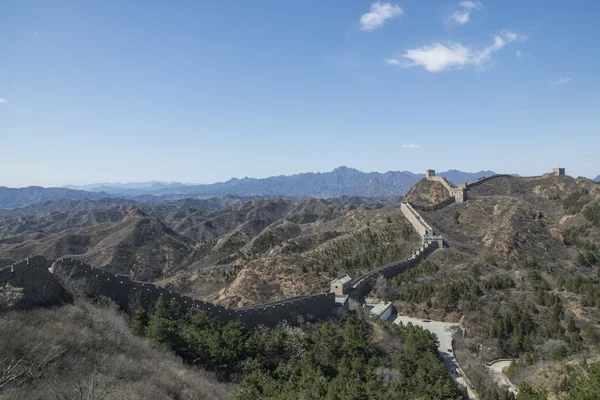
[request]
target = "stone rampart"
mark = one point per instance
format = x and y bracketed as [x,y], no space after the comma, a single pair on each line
[422,227]
[14,272]
[364,284]
[436,206]
[38,286]
[443,181]
[129,295]
[482,180]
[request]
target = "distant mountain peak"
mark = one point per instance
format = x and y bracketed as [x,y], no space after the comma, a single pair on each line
[134,213]
[343,168]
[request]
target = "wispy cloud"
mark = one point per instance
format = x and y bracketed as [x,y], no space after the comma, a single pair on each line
[378,14]
[438,57]
[471,5]
[519,54]
[410,146]
[560,81]
[463,15]
[2,100]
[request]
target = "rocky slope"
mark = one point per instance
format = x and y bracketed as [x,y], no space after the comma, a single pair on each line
[87,351]
[138,245]
[427,193]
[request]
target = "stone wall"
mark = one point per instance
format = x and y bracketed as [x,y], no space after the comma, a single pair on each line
[37,285]
[443,181]
[422,227]
[436,206]
[129,295]
[458,192]
[482,180]
[362,285]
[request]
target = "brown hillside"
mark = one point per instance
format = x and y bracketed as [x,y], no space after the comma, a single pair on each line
[85,351]
[427,193]
[139,246]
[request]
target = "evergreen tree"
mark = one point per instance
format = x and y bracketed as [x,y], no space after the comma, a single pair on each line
[139,321]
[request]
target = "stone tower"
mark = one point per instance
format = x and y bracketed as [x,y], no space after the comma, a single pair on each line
[429,173]
[558,171]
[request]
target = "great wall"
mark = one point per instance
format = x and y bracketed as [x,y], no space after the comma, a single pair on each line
[129,294]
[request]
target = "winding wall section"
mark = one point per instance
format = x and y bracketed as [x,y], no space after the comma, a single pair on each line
[130,294]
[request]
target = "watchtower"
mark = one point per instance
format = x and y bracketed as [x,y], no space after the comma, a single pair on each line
[558,171]
[459,193]
[429,173]
[340,285]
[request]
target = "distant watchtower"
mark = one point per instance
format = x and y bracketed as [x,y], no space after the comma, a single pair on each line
[558,171]
[429,173]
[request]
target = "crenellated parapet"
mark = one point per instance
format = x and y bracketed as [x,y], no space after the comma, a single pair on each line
[363,284]
[459,192]
[130,294]
[36,284]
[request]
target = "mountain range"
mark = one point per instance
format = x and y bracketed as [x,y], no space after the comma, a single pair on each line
[342,181]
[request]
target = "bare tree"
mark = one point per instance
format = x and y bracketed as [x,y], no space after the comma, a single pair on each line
[9,296]
[10,370]
[97,386]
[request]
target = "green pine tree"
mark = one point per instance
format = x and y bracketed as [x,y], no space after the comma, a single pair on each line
[139,322]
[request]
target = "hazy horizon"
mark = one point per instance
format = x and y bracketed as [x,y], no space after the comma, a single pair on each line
[154,181]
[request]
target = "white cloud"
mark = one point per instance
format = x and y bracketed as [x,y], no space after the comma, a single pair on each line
[519,54]
[410,146]
[471,5]
[2,100]
[560,81]
[378,14]
[461,17]
[438,57]
[464,15]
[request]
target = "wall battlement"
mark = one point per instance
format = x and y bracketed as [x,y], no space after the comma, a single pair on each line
[16,270]
[130,294]
[38,286]
[485,179]
[459,192]
[434,207]
[418,223]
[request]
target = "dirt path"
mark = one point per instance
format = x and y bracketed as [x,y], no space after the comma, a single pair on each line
[444,332]
[497,370]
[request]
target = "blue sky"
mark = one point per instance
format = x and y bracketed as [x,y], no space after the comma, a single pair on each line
[201,91]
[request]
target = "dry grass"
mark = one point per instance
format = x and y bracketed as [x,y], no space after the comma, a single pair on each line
[86,351]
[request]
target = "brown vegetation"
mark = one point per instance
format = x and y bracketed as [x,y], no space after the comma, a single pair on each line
[86,351]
